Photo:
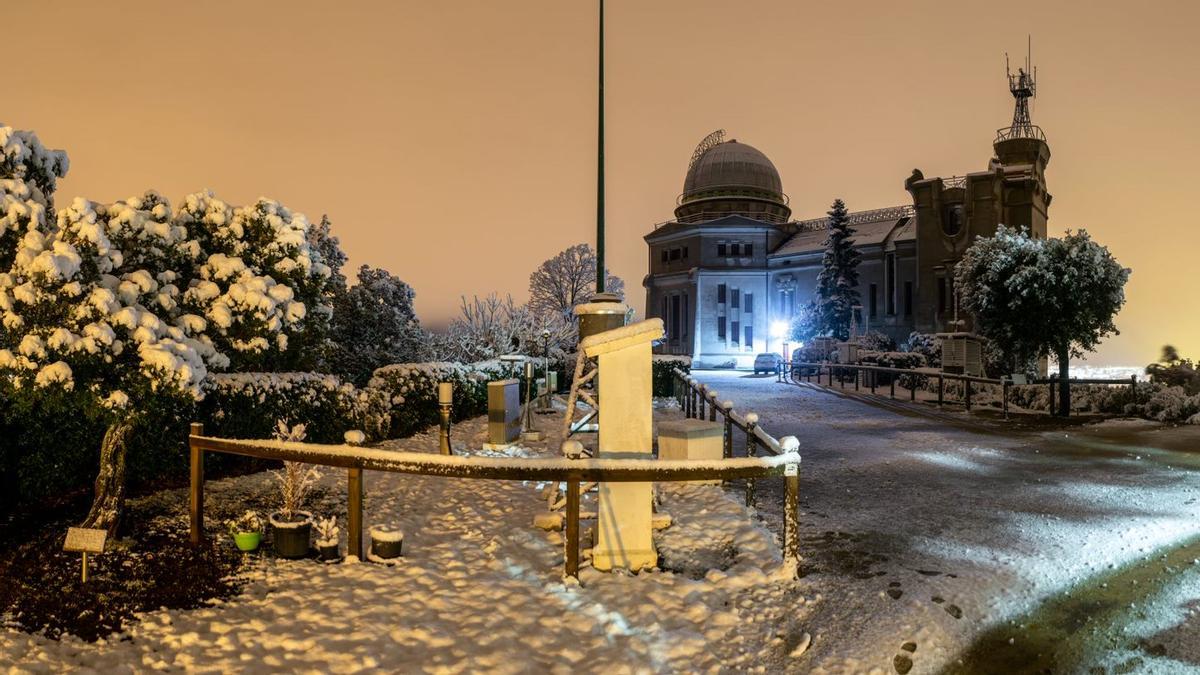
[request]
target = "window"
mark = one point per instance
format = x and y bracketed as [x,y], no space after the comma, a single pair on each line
[747,249]
[721,249]
[735,332]
[674,319]
[734,249]
[664,255]
[720,328]
[889,283]
[666,311]
[674,254]
[734,298]
[873,302]
[683,331]
[720,294]
[749,337]
[908,298]
[941,295]
[685,253]
[748,302]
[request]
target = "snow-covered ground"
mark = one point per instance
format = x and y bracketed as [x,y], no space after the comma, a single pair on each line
[918,532]
[478,589]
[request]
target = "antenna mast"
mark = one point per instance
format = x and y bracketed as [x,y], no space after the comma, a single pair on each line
[600,169]
[1023,86]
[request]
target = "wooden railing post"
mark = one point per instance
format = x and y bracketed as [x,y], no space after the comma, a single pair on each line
[912,387]
[941,389]
[857,376]
[791,515]
[1004,393]
[702,395]
[196,492]
[874,377]
[892,377]
[751,443]
[1133,388]
[727,450]
[712,408]
[1053,409]
[571,542]
[967,389]
[354,519]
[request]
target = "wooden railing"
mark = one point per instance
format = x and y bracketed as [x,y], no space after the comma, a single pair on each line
[573,472]
[696,398]
[867,376]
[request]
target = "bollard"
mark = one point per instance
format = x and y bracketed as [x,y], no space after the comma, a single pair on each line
[893,378]
[751,442]
[791,506]
[445,401]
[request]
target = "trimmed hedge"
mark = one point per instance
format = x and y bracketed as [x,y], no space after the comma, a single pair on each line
[411,391]
[247,405]
[662,367]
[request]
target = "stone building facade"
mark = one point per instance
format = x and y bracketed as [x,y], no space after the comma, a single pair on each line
[733,264]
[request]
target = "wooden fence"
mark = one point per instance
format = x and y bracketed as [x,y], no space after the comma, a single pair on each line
[573,472]
[867,376]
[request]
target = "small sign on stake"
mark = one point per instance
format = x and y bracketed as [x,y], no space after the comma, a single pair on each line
[85,540]
[791,469]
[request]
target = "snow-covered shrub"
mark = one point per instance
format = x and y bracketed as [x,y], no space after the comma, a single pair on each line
[412,390]
[809,354]
[373,324]
[662,370]
[247,405]
[874,341]
[925,344]
[1168,404]
[906,360]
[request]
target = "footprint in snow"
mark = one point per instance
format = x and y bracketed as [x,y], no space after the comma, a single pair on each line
[902,663]
[895,593]
[954,611]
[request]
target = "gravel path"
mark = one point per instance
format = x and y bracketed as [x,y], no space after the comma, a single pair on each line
[981,548]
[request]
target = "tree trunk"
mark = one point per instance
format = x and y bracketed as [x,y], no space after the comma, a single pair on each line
[1064,382]
[110,481]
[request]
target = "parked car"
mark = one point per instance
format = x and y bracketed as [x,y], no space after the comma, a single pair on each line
[767,362]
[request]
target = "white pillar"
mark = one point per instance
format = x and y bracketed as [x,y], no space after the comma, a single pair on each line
[624,534]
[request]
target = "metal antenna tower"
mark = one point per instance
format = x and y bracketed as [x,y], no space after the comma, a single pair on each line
[1023,86]
[715,138]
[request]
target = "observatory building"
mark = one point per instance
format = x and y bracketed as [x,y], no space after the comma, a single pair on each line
[733,263]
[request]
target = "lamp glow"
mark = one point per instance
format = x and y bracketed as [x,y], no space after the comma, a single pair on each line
[778,329]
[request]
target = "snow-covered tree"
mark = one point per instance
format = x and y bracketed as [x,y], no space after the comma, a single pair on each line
[566,280]
[132,303]
[374,325]
[806,324]
[1042,297]
[837,282]
[324,244]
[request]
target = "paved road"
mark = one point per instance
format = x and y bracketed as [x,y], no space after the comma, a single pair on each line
[985,547]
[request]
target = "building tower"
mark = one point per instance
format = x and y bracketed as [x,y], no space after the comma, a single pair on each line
[1022,149]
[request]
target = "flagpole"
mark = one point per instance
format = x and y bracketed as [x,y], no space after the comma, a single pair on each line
[600,168]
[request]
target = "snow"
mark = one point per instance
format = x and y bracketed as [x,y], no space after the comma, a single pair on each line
[478,589]
[995,525]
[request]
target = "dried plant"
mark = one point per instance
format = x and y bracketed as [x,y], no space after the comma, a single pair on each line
[247,522]
[296,479]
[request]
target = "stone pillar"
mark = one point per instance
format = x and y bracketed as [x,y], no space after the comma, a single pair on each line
[624,534]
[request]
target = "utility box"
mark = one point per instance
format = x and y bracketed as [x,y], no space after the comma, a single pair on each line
[824,346]
[962,353]
[504,413]
[691,439]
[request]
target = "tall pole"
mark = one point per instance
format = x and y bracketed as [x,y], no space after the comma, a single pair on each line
[600,169]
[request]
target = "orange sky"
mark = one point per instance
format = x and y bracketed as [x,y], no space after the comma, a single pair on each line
[453,142]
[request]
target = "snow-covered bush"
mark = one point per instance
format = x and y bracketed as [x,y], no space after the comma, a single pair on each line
[925,344]
[411,389]
[374,324]
[247,405]
[874,341]
[131,303]
[906,360]
[662,372]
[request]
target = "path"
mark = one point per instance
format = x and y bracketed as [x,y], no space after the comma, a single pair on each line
[921,534]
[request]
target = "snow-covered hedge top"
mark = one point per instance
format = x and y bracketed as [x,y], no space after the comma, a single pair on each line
[672,358]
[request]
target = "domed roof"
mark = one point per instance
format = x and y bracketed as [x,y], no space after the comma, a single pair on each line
[732,165]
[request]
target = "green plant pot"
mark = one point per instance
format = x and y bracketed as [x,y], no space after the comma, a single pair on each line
[247,541]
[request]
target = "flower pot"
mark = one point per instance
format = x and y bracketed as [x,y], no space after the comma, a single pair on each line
[247,541]
[386,542]
[329,551]
[291,537]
